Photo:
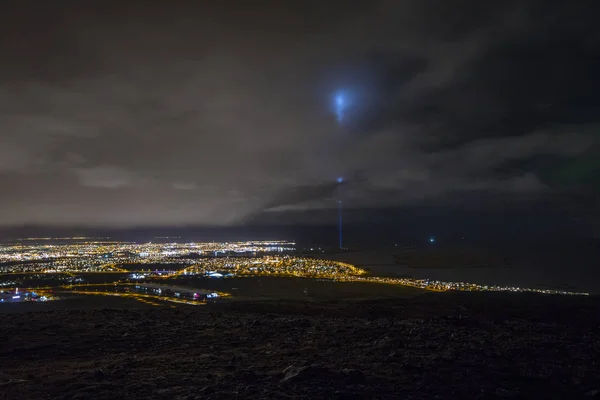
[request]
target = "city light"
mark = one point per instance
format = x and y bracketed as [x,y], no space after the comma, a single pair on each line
[67,265]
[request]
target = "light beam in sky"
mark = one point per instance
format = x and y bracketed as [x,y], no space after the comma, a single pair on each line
[340,105]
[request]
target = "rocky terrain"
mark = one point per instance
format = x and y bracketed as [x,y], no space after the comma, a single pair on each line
[446,346]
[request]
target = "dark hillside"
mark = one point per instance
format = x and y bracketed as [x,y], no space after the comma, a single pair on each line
[452,345]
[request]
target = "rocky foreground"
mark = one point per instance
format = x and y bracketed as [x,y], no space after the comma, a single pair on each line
[451,345]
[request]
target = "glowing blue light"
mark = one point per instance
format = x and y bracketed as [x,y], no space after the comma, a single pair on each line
[340,179]
[341,103]
[432,239]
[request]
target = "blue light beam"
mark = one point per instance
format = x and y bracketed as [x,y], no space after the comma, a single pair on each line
[341,104]
[340,224]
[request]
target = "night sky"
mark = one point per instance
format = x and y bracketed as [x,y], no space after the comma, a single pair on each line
[222,113]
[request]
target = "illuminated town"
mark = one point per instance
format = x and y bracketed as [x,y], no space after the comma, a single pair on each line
[39,265]
[104,256]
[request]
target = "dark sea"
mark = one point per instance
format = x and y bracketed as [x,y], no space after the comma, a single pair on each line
[569,266]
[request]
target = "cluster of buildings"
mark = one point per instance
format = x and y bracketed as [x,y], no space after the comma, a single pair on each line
[337,271]
[273,265]
[441,286]
[145,291]
[212,259]
[17,296]
[106,256]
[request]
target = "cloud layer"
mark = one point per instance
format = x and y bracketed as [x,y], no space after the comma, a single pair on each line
[216,115]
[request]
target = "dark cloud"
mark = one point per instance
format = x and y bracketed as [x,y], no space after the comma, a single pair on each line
[123,113]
